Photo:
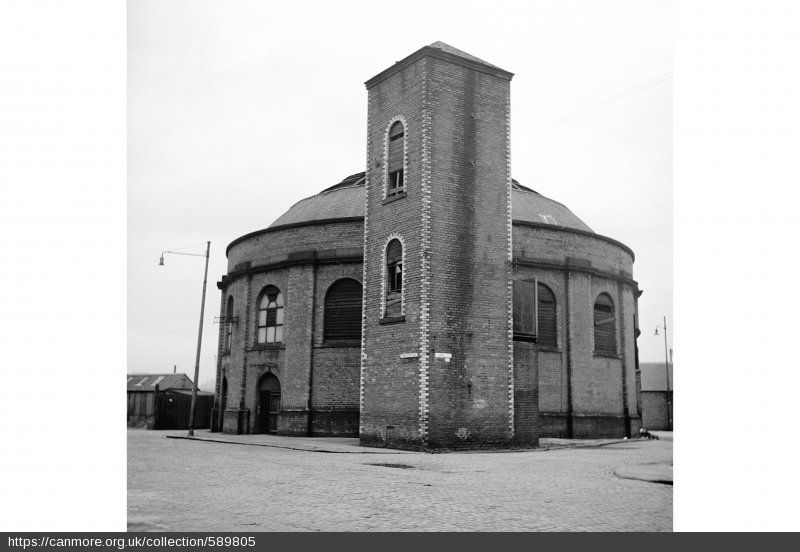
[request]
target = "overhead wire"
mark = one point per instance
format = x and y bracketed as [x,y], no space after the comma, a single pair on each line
[602,103]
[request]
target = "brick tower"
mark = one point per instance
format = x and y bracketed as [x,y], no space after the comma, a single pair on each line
[437,364]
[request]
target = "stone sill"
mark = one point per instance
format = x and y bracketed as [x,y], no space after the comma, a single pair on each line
[333,344]
[602,355]
[267,347]
[394,197]
[550,350]
[392,320]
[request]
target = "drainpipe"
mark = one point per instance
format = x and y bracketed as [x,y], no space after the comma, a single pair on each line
[310,427]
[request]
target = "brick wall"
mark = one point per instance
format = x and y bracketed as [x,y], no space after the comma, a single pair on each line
[453,223]
[303,287]
[555,245]
[655,412]
[275,245]
[573,375]
[527,426]
[469,255]
[390,384]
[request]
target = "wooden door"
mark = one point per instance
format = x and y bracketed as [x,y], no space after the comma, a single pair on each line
[263,411]
[274,407]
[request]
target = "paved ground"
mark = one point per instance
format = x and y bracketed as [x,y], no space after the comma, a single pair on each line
[183,485]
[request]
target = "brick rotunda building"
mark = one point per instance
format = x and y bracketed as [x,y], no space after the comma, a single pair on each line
[431,301]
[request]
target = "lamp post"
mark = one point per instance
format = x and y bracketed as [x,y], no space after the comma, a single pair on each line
[199,331]
[667,357]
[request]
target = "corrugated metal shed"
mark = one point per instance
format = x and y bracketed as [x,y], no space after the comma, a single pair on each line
[147,382]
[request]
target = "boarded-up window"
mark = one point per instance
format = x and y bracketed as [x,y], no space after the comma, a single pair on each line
[546,317]
[394,275]
[343,311]
[394,163]
[270,316]
[229,325]
[605,326]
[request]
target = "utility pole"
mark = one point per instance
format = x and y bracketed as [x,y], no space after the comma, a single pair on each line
[199,343]
[667,359]
[666,372]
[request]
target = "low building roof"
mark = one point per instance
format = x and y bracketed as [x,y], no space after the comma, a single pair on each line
[147,382]
[189,392]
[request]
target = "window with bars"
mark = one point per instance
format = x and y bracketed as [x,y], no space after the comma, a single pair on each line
[394,278]
[343,311]
[229,325]
[605,326]
[395,161]
[270,316]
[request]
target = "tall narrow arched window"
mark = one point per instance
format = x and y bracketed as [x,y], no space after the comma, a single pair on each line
[270,316]
[394,278]
[546,317]
[229,324]
[343,311]
[605,326]
[394,162]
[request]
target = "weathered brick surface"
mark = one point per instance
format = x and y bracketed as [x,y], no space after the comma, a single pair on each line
[655,412]
[274,246]
[456,142]
[553,244]
[527,427]
[551,372]
[469,265]
[391,384]
[303,287]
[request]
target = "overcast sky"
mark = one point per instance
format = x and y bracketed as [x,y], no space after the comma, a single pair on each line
[237,110]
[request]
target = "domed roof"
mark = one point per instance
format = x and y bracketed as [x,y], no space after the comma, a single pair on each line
[346,200]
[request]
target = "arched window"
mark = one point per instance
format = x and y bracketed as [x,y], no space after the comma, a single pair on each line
[546,317]
[605,326]
[270,316]
[394,163]
[229,324]
[343,311]
[394,278]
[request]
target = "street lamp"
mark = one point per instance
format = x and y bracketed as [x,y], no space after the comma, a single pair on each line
[667,356]
[199,332]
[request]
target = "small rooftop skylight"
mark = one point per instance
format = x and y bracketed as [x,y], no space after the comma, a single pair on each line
[548,219]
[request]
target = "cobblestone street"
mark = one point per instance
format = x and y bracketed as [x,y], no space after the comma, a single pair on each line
[184,485]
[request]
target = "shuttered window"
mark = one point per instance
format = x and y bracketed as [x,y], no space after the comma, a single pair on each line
[270,316]
[394,163]
[394,275]
[546,317]
[535,313]
[343,311]
[605,326]
[229,325]
[524,311]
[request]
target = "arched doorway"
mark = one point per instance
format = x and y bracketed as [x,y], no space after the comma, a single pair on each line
[269,403]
